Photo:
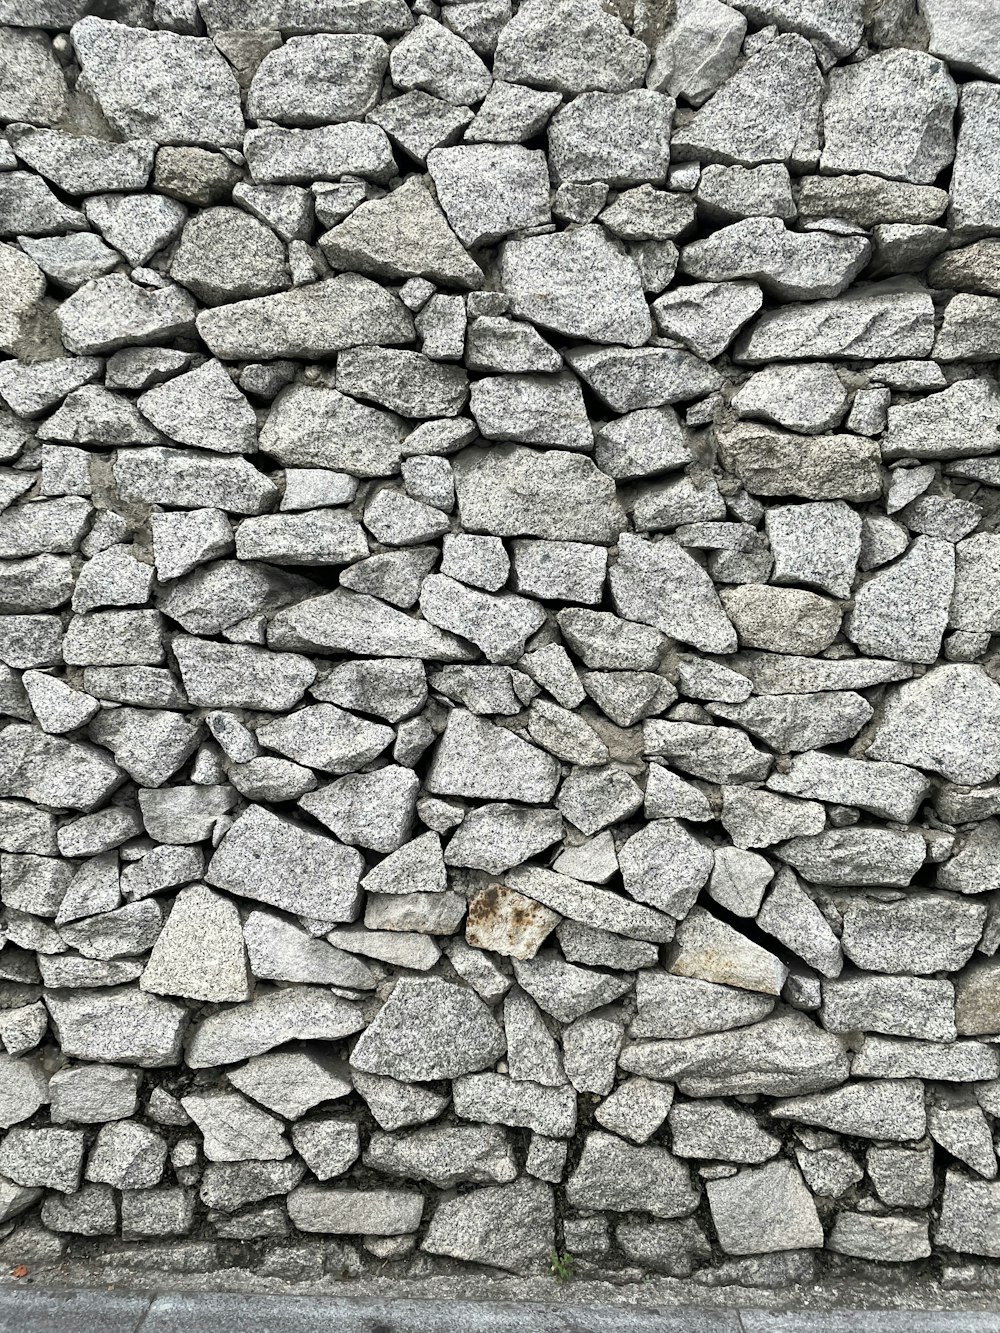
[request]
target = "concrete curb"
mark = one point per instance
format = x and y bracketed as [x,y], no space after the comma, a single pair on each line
[28,1310]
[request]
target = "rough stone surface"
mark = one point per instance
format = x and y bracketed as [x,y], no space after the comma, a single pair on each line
[499,706]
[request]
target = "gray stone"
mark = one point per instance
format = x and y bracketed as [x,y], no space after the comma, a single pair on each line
[805,398]
[281,951]
[818,544]
[270,1019]
[234,1129]
[328,1147]
[598,908]
[891,318]
[497,836]
[729,193]
[34,87]
[112,312]
[908,89]
[896,1006]
[566,991]
[278,156]
[185,93]
[312,321]
[285,865]
[857,856]
[122,1025]
[947,720]
[535,409]
[636,1109]
[764,1209]
[890,791]
[91,1211]
[715,1129]
[621,1177]
[572,47]
[290,1083]
[622,139]
[43,1157]
[202,408]
[199,952]
[921,933]
[404,235]
[310,426]
[127,1155]
[444,1155]
[476,758]
[373,1212]
[318,80]
[698,51]
[577,284]
[429,1029]
[630,380]
[893,1110]
[678,1006]
[814,467]
[186,477]
[710,950]
[791,266]
[783,1055]
[505,1226]
[707,316]
[768,111]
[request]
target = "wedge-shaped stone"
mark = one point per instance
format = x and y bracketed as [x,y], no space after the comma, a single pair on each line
[789,265]
[312,321]
[218,675]
[891,791]
[112,312]
[312,427]
[717,754]
[429,1029]
[478,759]
[203,408]
[404,235]
[577,283]
[274,861]
[782,1056]
[792,722]
[674,1006]
[958,422]
[857,856]
[598,908]
[199,952]
[48,770]
[659,584]
[709,950]
[768,111]
[565,991]
[351,622]
[304,1013]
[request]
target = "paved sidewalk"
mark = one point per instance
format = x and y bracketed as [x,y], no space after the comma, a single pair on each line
[27,1310]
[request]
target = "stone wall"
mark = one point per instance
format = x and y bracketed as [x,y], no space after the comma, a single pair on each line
[499,564]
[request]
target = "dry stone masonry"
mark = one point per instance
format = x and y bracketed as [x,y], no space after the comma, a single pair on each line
[500,585]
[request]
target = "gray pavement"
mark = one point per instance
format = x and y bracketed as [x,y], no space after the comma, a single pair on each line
[30,1310]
